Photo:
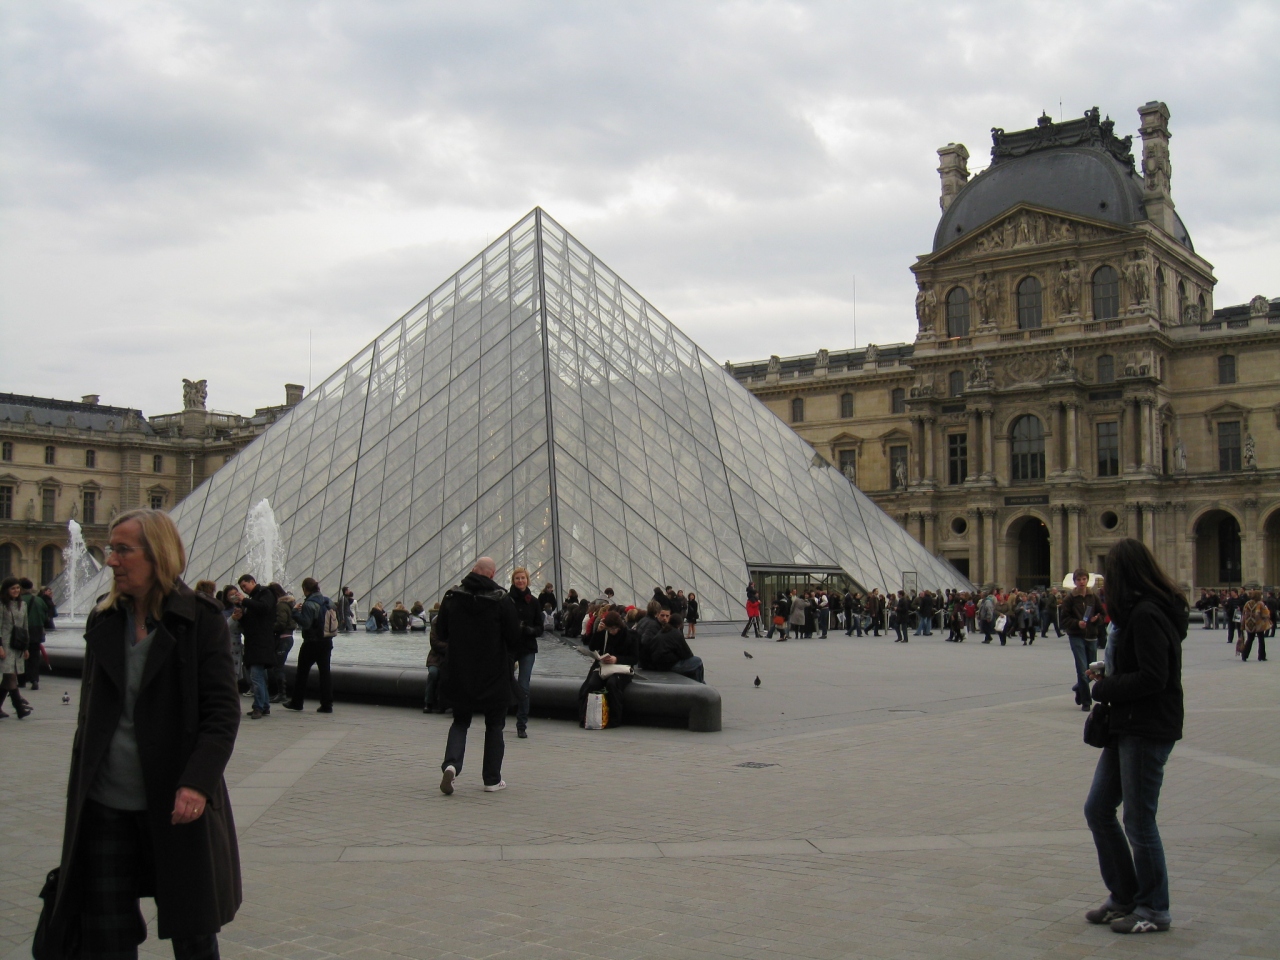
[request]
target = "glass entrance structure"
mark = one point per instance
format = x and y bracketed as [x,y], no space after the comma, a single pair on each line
[536,408]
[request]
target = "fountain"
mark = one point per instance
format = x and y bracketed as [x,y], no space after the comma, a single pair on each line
[264,550]
[79,568]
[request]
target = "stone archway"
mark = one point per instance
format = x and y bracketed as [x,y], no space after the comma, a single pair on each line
[1218,552]
[1033,554]
[1271,549]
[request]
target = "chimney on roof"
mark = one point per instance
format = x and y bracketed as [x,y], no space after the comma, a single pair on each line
[953,167]
[90,398]
[293,394]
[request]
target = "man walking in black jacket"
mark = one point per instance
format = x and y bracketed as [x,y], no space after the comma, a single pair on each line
[478,622]
[317,647]
[257,616]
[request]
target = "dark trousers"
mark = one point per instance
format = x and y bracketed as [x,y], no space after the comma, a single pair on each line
[116,866]
[495,718]
[1244,654]
[1083,653]
[276,674]
[315,652]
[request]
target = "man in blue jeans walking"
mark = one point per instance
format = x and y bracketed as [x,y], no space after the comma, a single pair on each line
[257,616]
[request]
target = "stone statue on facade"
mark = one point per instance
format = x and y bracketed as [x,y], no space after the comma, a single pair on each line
[872,354]
[1250,453]
[1180,456]
[1062,364]
[1068,289]
[926,304]
[195,393]
[1259,306]
[982,293]
[980,372]
[900,473]
[1135,271]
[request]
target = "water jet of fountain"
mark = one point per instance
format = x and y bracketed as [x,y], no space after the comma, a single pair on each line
[72,559]
[264,550]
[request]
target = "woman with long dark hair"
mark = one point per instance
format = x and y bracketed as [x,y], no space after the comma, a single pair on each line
[1144,696]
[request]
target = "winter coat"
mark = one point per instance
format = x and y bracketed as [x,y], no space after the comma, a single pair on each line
[1145,691]
[1074,607]
[548,596]
[663,650]
[646,627]
[186,717]
[1257,617]
[691,611]
[530,614]
[479,624]
[798,609]
[399,620]
[258,625]
[625,645]
[310,618]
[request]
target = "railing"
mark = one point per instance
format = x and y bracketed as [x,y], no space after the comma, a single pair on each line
[1115,324]
[1042,333]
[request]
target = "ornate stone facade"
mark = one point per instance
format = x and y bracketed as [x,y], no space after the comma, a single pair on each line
[81,460]
[1070,382]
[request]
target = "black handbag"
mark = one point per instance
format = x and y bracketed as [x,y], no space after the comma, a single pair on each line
[43,946]
[1097,726]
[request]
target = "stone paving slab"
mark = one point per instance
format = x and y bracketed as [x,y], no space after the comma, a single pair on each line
[918,801]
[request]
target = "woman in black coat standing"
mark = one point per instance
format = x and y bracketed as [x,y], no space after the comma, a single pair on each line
[530,613]
[148,813]
[1143,691]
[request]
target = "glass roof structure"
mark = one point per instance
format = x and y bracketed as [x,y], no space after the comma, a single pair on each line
[537,409]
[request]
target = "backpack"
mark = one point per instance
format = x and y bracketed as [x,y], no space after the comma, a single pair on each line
[330,623]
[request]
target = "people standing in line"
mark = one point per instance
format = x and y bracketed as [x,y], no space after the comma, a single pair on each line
[1256,623]
[531,628]
[1144,694]
[37,618]
[284,642]
[651,622]
[311,616]
[479,623]
[1081,617]
[257,616]
[13,644]
[147,811]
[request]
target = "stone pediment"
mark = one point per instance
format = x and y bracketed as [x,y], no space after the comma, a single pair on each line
[1021,228]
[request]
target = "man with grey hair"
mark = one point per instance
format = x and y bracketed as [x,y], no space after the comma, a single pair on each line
[479,626]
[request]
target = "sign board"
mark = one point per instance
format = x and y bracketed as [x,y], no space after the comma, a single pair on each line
[1028,501]
[909,581]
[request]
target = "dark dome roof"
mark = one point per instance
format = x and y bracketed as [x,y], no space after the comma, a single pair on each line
[1087,180]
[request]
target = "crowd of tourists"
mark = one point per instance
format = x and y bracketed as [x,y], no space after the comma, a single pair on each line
[1249,617]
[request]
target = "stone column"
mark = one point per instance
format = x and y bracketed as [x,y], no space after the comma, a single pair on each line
[989,535]
[1073,438]
[930,465]
[1148,511]
[1060,562]
[1250,571]
[1131,514]
[1127,444]
[988,444]
[1073,512]
[1144,434]
[1054,455]
[1184,546]
[977,570]
[917,445]
[976,464]
[930,536]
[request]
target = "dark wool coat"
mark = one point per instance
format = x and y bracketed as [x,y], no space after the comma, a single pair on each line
[258,623]
[186,717]
[1145,692]
[530,615]
[479,626]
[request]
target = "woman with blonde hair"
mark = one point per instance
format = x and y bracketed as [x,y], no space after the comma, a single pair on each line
[148,813]
[530,613]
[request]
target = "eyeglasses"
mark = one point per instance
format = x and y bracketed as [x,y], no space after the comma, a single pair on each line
[121,550]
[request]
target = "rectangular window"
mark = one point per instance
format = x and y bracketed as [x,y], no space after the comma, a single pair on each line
[1226,369]
[50,455]
[157,501]
[91,458]
[6,503]
[957,458]
[898,400]
[846,405]
[898,473]
[1109,449]
[1229,446]
[90,513]
[6,451]
[157,464]
[48,504]
[849,465]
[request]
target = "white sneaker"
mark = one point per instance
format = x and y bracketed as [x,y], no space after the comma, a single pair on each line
[446,781]
[495,787]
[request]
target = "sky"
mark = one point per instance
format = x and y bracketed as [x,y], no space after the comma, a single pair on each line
[249,192]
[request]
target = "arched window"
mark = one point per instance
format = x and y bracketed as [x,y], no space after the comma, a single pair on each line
[1204,309]
[955,383]
[846,405]
[1106,368]
[1030,308]
[1027,449]
[1106,294]
[797,410]
[898,400]
[958,312]
[1160,293]
[1226,369]
[1182,302]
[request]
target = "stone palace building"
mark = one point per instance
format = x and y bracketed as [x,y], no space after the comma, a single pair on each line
[1071,381]
[81,460]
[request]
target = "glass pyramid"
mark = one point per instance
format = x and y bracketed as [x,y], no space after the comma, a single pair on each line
[537,409]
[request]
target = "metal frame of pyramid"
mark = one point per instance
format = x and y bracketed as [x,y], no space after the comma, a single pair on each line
[537,409]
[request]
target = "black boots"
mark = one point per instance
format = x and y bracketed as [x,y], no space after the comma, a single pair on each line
[19,705]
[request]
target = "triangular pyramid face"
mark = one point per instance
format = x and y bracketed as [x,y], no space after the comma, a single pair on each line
[535,408]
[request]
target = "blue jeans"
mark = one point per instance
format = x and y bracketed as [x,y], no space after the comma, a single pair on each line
[1085,652]
[258,681]
[1132,771]
[691,667]
[522,708]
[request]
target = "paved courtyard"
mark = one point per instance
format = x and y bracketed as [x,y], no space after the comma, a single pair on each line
[869,799]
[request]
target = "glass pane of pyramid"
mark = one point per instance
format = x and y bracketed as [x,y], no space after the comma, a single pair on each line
[536,408]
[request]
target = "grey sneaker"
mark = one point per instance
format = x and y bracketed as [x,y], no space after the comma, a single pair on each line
[1136,924]
[1105,914]
[495,787]
[446,781]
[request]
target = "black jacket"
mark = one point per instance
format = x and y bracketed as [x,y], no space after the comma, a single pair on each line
[1071,616]
[530,614]
[624,645]
[548,596]
[478,622]
[310,618]
[663,650]
[258,624]
[1145,692]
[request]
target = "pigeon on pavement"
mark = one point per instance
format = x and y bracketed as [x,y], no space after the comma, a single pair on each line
[747,655]
[757,681]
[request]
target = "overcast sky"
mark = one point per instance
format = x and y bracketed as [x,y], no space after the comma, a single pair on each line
[194,189]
